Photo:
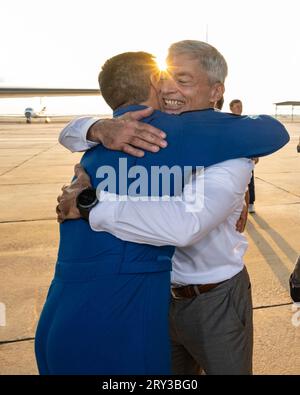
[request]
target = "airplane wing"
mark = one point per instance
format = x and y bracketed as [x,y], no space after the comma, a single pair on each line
[38,92]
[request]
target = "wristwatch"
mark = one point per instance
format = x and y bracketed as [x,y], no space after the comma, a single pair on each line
[86,200]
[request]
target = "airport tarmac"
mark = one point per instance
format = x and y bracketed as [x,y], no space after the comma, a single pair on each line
[33,167]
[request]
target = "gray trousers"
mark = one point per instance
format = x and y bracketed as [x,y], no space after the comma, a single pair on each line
[214,331]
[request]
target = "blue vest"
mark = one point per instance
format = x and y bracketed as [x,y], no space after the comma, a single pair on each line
[195,138]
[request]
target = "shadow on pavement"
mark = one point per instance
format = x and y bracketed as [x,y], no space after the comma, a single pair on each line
[274,261]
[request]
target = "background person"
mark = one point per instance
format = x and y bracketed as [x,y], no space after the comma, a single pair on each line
[236,107]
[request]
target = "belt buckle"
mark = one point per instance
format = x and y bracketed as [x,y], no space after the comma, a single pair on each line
[196,289]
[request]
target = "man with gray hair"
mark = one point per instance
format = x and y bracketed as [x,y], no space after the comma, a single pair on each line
[211,310]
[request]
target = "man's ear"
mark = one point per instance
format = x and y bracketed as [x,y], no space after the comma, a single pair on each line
[155,80]
[217,92]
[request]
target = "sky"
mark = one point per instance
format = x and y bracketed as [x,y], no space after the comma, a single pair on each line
[63,43]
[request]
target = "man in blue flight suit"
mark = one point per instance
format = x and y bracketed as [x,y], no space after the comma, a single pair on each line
[107,308]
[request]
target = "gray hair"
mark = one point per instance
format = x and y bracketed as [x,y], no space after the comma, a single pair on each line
[210,59]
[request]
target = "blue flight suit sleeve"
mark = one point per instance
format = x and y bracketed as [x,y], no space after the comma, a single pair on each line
[204,138]
[254,136]
[216,137]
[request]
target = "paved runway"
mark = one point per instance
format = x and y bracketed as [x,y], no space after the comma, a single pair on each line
[33,168]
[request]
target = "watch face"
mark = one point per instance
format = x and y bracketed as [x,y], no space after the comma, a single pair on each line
[87,197]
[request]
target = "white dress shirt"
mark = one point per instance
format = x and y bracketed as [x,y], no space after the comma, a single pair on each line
[209,249]
[73,136]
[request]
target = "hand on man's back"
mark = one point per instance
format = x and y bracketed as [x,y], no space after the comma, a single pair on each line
[126,133]
[67,203]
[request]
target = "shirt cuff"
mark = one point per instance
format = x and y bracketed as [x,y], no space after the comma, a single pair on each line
[83,132]
[102,216]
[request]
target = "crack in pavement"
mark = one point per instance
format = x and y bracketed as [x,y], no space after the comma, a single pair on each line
[32,338]
[31,183]
[272,305]
[16,340]
[276,186]
[27,160]
[28,220]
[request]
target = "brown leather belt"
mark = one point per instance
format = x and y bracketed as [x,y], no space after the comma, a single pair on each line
[191,291]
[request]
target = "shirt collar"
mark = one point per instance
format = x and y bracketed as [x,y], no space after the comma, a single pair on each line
[123,110]
[135,107]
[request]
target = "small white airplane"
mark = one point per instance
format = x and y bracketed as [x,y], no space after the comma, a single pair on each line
[29,113]
[18,92]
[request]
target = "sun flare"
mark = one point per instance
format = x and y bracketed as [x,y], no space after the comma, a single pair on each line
[161,62]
